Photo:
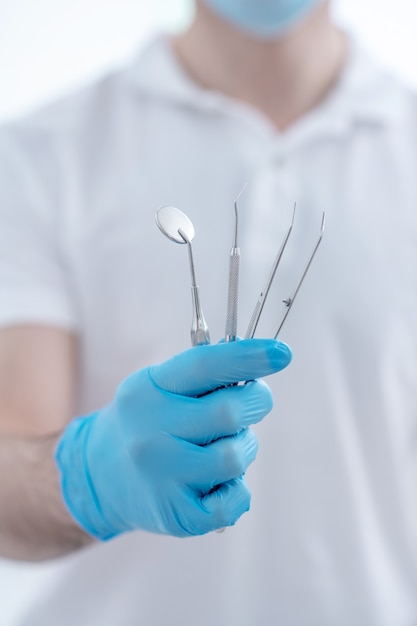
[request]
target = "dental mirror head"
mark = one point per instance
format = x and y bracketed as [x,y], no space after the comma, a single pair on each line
[171,221]
[175,225]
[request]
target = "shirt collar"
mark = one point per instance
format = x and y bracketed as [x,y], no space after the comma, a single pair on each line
[364,92]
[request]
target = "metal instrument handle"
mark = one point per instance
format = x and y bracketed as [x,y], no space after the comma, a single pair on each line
[233,295]
[200,335]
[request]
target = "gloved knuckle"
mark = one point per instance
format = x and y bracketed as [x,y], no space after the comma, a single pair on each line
[123,394]
[234,460]
[223,518]
[230,417]
[245,498]
[252,443]
[120,394]
[132,390]
[266,394]
[222,513]
[231,511]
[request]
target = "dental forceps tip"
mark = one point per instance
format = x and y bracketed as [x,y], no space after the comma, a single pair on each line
[264,293]
[290,301]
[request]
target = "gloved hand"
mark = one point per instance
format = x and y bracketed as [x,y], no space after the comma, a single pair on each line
[166,456]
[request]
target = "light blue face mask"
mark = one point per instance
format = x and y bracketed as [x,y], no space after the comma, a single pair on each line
[263,18]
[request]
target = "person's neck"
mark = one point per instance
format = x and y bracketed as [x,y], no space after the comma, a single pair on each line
[284,78]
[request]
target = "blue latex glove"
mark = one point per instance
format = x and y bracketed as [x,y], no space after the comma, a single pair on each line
[164,457]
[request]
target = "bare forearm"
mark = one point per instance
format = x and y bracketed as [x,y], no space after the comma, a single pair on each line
[34,522]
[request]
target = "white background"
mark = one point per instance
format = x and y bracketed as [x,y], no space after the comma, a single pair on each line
[49,47]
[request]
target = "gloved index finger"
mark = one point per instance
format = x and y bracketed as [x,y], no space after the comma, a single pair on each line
[205,368]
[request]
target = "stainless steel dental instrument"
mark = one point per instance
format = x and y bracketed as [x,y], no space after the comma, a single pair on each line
[175,225]
[264,293]
[199,330]
[290,301]
[233,288]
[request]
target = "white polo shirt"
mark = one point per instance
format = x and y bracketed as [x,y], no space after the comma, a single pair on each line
[331,536]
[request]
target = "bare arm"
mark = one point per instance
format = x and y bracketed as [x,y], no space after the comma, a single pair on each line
[37,388]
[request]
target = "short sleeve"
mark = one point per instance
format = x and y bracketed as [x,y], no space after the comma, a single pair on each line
[35,277]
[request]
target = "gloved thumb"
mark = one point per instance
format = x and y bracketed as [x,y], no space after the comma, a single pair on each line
[205,368]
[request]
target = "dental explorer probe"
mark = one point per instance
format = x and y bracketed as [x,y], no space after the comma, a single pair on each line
[178,227]
[233,288]
[264,293]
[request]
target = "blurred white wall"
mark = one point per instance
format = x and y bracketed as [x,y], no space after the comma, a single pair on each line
[388,29]
[48,47]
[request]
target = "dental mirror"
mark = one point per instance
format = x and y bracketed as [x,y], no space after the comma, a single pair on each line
[175,225]
[171,221]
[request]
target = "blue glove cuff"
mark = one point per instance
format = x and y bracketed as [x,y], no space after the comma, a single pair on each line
[77,487]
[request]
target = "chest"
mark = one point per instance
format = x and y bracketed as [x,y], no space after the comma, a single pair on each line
[133,285]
